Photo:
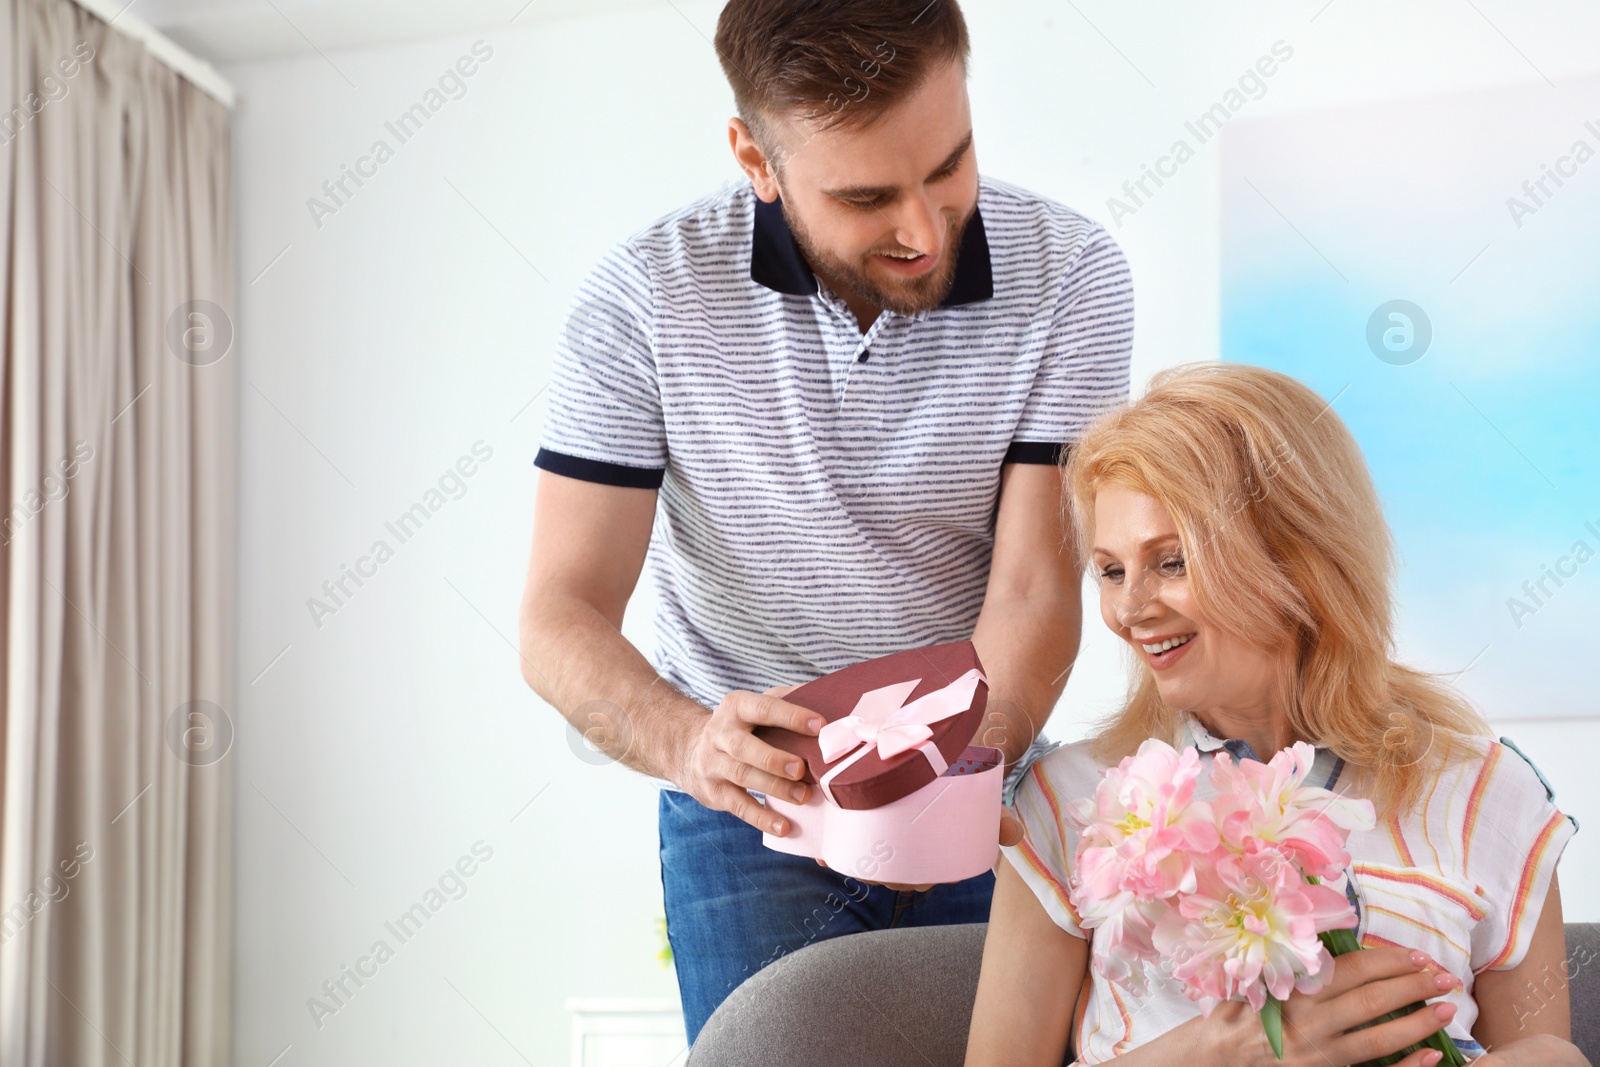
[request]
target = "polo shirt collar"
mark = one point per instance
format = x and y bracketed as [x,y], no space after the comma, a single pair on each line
[1325,767]
[776,262]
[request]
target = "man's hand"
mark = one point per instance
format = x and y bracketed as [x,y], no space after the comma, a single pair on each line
[722,758]
[1010,828]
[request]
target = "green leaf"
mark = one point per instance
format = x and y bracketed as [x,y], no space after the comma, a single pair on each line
[1339,942]
[1272,1023]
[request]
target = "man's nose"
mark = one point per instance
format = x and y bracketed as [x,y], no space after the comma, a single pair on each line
[919,225]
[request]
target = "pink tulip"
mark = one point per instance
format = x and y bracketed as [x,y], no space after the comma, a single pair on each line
[1250,929]
[1144,830]
[1214,894]
[1269,805]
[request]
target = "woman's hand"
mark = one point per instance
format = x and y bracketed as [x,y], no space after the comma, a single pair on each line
[1537,1050]
[1321,1029]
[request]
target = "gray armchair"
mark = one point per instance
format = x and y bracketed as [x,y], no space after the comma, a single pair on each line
[903,998]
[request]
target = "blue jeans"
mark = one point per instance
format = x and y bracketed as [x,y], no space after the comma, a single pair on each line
[733,905]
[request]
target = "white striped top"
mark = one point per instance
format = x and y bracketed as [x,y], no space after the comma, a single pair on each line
[827,496]
[1463,876]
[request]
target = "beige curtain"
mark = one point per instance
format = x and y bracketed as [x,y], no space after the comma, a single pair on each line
[117,403]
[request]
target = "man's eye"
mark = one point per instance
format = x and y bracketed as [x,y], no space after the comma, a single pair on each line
[865,205]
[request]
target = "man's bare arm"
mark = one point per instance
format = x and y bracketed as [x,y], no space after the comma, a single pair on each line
[1028,631]
[589,545]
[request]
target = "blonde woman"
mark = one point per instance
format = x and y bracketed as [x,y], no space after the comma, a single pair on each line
[1239,548]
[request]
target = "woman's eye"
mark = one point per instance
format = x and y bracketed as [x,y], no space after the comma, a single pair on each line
[1173,565]
[1111,574]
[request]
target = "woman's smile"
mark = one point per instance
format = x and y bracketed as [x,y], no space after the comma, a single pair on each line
[1163,652]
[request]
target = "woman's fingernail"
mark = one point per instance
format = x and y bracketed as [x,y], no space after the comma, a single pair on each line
[799,792]
[1431,1058]
[792,767]
[1419,959]
[814,724]
[1444,980]
[1444,1010]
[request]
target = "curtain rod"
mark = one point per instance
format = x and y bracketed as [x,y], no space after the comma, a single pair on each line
[197,70]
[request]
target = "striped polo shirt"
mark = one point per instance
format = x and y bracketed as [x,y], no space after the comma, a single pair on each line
[827,496]
[1461,876]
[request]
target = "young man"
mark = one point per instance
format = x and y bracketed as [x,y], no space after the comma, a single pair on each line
[839,391]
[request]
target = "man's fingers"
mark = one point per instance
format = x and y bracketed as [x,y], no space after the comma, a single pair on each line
[747,776]
[762,709]
[750,749]
[751,810]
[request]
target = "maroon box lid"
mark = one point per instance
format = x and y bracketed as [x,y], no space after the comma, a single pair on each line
[869,780]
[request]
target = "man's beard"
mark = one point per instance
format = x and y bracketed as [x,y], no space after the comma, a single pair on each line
[910,295]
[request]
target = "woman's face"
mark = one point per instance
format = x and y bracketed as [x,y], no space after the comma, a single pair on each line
[1145,599]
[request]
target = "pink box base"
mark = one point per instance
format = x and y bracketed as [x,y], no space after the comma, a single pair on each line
[947,831]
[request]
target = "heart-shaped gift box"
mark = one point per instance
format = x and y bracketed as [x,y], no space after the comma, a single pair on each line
[899,793]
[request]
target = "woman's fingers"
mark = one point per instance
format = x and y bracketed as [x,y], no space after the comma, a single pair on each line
[1373,1042]
[1370,964]
[1337,1020]
[1372,1000]
[1424,1057]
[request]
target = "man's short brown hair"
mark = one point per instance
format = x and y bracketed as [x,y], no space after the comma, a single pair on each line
[834,63]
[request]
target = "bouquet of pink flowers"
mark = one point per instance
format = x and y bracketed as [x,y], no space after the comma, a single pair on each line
[1224,896]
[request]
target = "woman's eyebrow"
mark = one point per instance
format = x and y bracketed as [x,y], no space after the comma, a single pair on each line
[1146,543]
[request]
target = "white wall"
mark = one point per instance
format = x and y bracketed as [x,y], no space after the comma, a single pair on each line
[374,750]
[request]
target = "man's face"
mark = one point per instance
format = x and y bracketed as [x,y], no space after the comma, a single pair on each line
[905,186]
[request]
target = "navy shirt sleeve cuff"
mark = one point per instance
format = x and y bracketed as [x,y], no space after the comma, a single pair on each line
[1036,452]
[595,470]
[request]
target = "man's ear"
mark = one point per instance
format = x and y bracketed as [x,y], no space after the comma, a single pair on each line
[752,160]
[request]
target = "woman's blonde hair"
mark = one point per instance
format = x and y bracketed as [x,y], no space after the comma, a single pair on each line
[1284,541]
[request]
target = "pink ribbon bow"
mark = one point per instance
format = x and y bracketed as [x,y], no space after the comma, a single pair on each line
[881,718]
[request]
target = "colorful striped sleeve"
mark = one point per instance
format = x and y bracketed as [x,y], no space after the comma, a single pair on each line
[1042,856]
[1513,836]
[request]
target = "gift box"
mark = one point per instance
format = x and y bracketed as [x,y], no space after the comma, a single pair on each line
[898,792]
